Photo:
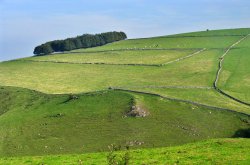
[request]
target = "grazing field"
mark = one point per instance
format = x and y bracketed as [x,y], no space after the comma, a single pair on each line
[74,78]
[168,43]
[203,95]
[225,32]
[235,78]
[33,123]
[142,93]
[218,151]
[118,57]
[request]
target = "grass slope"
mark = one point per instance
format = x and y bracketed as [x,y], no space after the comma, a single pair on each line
[118,57]
[235,77]
[33,123]
[204,96]
[221,151]
[222,32]
[75,78]
[168,42]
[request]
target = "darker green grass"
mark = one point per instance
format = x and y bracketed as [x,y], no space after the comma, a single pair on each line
[34,123]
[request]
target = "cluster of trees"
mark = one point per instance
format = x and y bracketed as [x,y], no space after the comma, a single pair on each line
[83,41]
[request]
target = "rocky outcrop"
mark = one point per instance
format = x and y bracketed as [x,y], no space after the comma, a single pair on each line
[137,111]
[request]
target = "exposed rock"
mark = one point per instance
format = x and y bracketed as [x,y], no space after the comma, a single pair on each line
[135,143]
[137,111]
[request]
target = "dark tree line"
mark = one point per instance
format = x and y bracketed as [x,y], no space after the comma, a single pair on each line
[83,41]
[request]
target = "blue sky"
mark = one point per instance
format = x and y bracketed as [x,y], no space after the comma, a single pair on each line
[27,23]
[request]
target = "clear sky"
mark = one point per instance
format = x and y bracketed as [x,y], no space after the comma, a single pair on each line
[25,24]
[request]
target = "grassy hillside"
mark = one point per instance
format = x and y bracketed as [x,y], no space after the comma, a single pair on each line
[33,123]
[235,77]
[74,78]
[118,57]
[168,43]
[206,96]
[222,151]
[102,67]
[71,103]
[222,32]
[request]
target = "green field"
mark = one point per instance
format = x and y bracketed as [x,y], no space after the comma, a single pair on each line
[75,78]
[223,32]
[204,96]
[69,103]
[118,57]
[38,124]
[222,151]
[235,78]
[168,42]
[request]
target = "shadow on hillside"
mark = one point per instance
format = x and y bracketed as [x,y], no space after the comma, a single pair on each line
[242,133]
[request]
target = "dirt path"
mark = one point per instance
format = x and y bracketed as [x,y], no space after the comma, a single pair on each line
[215,84]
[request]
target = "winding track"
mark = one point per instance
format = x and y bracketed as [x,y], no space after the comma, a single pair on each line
[215,84]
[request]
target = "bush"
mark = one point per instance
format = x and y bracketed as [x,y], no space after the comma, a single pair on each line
[118,159]
[43,49]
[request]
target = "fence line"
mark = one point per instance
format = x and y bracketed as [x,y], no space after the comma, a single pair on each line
[167,87]
[92,63]
[131,49]
[179,100]
[219,71]
[128,64]
[185,57]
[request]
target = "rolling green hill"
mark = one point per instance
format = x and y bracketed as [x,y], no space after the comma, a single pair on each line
[34,123]
[84,100]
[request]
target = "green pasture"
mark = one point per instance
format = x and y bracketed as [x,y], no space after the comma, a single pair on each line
[167,42]
[58,109]
[218,151]
[75,78]
[211,33]
[33,123]
[118,57]
[235,77]
[203,96]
